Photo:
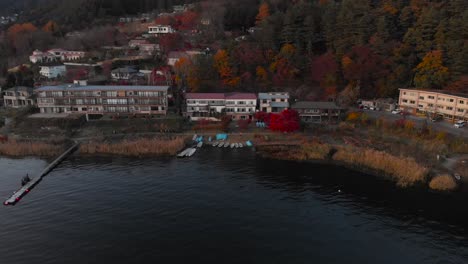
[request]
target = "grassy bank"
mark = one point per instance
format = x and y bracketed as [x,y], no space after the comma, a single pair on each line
[30,148]
[443,182]
[136,147]
[404,171]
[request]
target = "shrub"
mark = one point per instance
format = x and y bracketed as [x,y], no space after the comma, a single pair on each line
[443,182]
[353,116]
[139,147]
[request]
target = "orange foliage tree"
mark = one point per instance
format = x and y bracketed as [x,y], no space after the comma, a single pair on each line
[225,71]
[51,27]
[18,29]
[431,73]
[263,12]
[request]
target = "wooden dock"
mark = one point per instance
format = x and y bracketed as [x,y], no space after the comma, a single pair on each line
[16,197]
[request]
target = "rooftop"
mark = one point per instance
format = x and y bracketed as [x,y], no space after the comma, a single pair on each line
[464,95]
[315,105]
[221,96]
[74,87]
[266,96]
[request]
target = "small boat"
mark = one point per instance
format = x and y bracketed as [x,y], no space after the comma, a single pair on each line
[183,153]
[215,144]
[209,139]
[221,144]
[194,137]
[200,144]
[457,176]
[191,152]
[241,145]
[226,144]
[233,145]
[249,143]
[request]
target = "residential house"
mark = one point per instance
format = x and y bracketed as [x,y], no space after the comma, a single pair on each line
[214,105]
[174,56]
[452,106]
[161,29]
[18,97]
[134,43]
[273,102]
[55,55]
[124,73]
[317,112]
[53,71]
[100,100]
[148,49]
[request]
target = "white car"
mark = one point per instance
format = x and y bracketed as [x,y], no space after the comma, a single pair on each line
[460,124]
[396,112]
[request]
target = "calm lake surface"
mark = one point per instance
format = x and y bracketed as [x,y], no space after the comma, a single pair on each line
[223,206]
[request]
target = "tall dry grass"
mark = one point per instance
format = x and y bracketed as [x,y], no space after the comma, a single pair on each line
[29,148]
[138,147]
[406,171]
[443,182]
[307,151]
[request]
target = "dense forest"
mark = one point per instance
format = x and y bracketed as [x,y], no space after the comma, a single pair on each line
[314,48]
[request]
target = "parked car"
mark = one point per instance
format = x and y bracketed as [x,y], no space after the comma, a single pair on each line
[436,118]
[460,124]
[374,108]
[396,112]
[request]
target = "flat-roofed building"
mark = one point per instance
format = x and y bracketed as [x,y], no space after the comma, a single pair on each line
[18,97]
[317,112]
[240,106]
[273,102]
[72,98]
[453,106]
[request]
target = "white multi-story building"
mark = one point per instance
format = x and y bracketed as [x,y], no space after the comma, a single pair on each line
[52,72]
[18,97]
[273,102]
[55,55]
[160,29]
[213,105]
[453,106]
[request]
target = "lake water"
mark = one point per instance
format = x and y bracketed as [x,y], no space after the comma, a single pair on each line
[223,206]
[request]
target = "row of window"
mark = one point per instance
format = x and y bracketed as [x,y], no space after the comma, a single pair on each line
[240,110]
[102,94]
[432,97]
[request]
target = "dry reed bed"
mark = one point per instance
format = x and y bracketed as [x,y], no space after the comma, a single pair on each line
[406,171]
[29,148]
[443,182]
[137,147]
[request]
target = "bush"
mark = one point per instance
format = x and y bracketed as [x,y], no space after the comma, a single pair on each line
[443,182]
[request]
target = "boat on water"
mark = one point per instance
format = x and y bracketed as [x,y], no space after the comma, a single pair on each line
[233,145]
[191,152]
[215,144]
[183,153]
[241,145]
[200,144]
[237,145]
[209,139]
[221,144]
[226,144]
[249,143]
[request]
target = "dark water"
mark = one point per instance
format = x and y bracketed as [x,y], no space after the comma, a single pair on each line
[223,207]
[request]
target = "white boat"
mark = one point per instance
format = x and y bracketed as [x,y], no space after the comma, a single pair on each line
[200,144]
[226,144]
[191,152]
[233,145]
[221,144]
[237,145]
[215,144]
[183,153]
[241,145]
[194,137]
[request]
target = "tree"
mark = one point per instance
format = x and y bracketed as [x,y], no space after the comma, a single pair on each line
[286,121]
[431,73]
[263,13]
[324,70]
[225,71]
[51,27]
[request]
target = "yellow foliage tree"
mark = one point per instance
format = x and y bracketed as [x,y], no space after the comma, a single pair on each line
[431,73]
[225,71]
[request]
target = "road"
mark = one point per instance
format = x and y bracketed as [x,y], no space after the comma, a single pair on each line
[441,125]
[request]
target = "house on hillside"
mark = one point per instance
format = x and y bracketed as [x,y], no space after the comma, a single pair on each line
[317,112]
[53,71]
[174,56]
[161,29]
[273,102]
[18,97]
[56,55]
[124,73]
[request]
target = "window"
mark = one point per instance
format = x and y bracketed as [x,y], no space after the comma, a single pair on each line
[431,97]
[421,97]
[430,105]
[460,110]
[461,102]
[404,93]
[405,101]
[451,100]
[421,106]
[412,102]
[449,108]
